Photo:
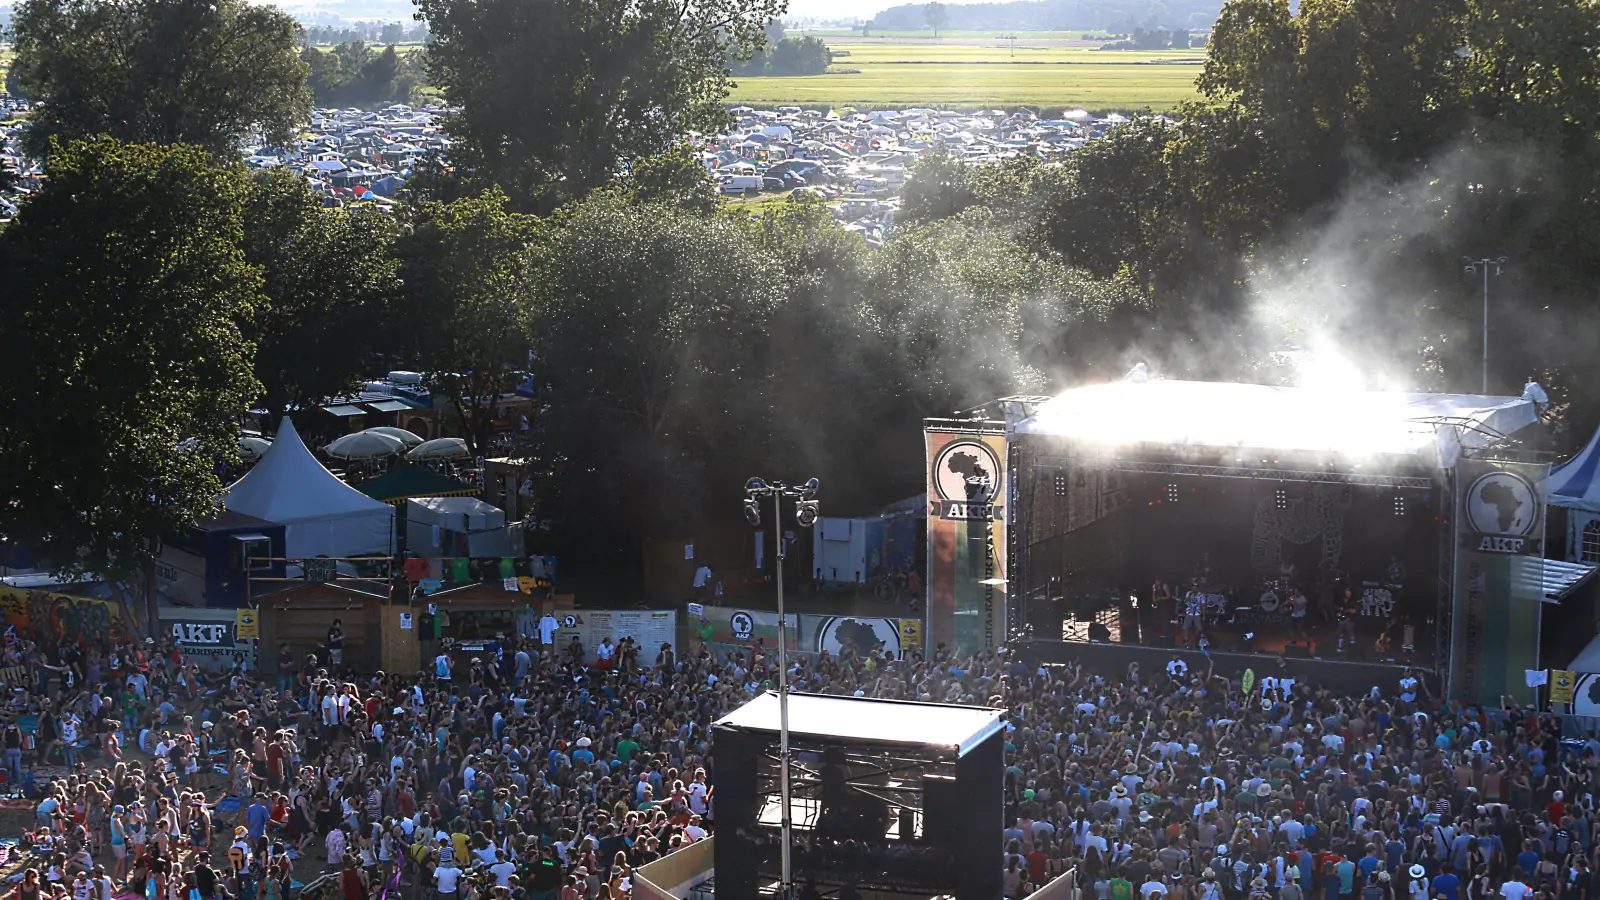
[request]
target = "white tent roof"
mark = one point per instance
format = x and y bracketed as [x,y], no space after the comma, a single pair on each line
[1350,423]
[291,488]
[1574,484]
[1551,580]
[869,720]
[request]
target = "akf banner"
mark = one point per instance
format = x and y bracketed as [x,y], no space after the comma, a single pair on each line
[967,508]
[1499,531]
[1562,681]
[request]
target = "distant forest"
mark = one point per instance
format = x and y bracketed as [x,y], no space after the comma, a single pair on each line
[1121,16]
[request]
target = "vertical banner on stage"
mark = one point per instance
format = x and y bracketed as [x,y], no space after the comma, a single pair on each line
[1498,596]
[966,538]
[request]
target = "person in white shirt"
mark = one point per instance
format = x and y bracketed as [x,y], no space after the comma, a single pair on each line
[1152,888]
[503,871]
[603,654]
[448,877]
[1515,890]
[693,829]
[330,711]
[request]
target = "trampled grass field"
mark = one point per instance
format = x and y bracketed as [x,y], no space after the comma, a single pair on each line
[1038,73]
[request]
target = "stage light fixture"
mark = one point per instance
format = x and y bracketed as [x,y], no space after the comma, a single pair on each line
[1399,505]
[1281,498]
[1172,493]
[1060,485]
[806,512]
[752,512]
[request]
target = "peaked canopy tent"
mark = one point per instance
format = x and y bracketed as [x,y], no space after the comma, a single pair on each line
[322,515]
[1575,487]
[1575,484]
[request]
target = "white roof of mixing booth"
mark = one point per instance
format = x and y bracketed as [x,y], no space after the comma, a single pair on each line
[864,720]
[1222,415]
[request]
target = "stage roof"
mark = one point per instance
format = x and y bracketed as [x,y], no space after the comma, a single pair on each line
[863,720]
[1221,415]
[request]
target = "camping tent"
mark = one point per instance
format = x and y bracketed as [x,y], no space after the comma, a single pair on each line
[322,515]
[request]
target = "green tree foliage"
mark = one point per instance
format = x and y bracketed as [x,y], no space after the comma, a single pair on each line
[649,328]
[354,74]
[788,56]
[125,285]
[467,303]
[555,95]
[203,72]
[935,16]
[1345,155]
[681,352]
[331,289]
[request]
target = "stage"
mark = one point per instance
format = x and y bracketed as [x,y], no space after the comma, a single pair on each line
[1248,522]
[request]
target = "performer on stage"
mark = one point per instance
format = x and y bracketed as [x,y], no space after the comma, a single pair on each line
[1346,615]
[1298,607]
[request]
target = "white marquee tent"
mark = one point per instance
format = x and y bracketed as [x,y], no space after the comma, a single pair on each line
[323,515]
[1575,486]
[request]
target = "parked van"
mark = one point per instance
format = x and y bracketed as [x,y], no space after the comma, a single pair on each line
[740,184]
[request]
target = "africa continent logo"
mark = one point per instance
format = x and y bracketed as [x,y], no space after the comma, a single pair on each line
[1502,503]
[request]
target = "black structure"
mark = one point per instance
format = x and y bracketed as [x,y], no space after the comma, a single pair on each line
[893,796]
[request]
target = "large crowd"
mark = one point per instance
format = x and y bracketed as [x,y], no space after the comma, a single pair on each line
[524,774]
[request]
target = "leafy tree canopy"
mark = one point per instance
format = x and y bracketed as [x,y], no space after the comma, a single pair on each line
[202,72]
[556,94]
[125,285]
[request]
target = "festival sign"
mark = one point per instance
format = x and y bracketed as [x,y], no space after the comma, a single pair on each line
[1499,517]
[967,505]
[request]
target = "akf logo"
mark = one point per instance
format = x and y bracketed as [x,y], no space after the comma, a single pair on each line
[966,470]
[742,625]
[1502,503]
[966,480]
[570,621]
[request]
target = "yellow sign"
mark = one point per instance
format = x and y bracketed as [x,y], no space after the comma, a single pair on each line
[1562,682]
[246,626]
[910,633]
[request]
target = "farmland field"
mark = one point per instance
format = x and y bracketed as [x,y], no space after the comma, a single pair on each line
[1038,72]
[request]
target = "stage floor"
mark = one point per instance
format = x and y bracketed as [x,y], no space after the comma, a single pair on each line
[1249,633]
[1346,676]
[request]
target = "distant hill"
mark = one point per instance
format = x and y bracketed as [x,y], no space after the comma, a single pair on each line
[1055,15]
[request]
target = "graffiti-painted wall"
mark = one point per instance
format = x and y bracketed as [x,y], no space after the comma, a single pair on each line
[54,616]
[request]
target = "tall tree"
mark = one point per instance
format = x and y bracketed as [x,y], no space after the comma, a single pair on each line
[466,273]
[936,16]
[330,284]
[650,329]
[204,72]
[555,94]
[124,288]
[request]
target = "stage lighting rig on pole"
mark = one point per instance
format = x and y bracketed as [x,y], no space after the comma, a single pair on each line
[805,514]
[1486,266]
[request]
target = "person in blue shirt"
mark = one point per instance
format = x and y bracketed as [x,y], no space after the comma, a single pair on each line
[1446,884]
[582,756]
[256,817]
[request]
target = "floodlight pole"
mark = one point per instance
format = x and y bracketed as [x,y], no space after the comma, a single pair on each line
[756,488]
[1485,265]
